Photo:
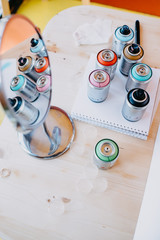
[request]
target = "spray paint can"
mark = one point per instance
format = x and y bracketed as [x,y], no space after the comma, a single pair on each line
[43,83]
[42,66]
[122,36]
[26,66]
[25,111]
[106,153]
[107,60]
[132,53]
[38,48]
[98,85]
[139,76]
[25,87]
[135,104]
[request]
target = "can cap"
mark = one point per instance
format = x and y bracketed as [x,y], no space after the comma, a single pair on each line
[41,64]
[107,150]
[22,61]
[107,57]
[34,42]
[17,82]
[138,97]
[125,30]
[99,78]
[134,48]
[141,72]
[133,52]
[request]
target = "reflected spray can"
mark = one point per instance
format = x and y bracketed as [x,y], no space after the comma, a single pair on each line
[135,104]
[98,85]
[43,83]
[42,66]
[25,87]
[107,60]
[26,112]
[106,153]
[139,76]
[122,36]
[132,53]
[38,48]
[26,66]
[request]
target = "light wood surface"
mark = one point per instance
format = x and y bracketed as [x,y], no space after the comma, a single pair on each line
[27,196]
[5,7]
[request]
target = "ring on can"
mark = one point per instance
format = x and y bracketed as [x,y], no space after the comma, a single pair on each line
[42,65]
[25,87]
[106,153]
[107,60]
[132,53]
[122,36]
[38,48]
[26,112]
[43,83]
[135,104]
[98,85]
[139,76]
[26,66]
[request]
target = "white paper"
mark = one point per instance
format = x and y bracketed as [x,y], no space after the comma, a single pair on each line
[108,113]
[148,225]
[97,32]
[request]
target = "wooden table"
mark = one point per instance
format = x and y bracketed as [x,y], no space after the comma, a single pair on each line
[44,199]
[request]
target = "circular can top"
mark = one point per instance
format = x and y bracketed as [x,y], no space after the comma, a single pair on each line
[43,83]
[41,64]
[138,97]
[24,63]
[124,33]
[16,103]
[133,51]
[107,57]
[107,150]
[36,45]
[99,78]
[17,82]
[141,72]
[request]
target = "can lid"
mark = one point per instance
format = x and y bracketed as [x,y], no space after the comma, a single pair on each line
[141,72]
[25,63]
[124,33]
[41,64]
[15,103]
[133,52]
[17,82]
[138,97]
[107,57]
[43,83]
[99,78]
[107,150]
[36,45]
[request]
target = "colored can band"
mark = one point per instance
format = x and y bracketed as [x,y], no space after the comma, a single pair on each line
[139,76]
[38,48]
[106,153]
[132,53]
[26,112]
[42,65]
[43,83]
[26,66]
[98,85]
[135,104]
[122,36]
[107,60]
[25,87]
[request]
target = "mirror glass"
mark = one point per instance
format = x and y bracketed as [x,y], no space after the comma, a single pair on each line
[26,89]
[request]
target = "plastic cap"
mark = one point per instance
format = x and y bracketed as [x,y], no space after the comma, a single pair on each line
[125,30]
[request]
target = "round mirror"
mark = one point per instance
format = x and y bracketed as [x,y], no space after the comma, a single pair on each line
[26,90]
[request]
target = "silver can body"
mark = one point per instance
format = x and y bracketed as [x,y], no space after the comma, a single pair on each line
[138,82]
[111,70]
[27,90]
[131,112]
[126,64]
[27,113]
[98,86]
[118,45]
[102,164]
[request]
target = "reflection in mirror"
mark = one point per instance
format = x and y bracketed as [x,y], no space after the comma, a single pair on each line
[26,88]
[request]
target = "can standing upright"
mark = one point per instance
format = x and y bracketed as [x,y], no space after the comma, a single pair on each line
[139,76]
[135,104]
[42,66]
[106,153]
[107,60]
[98,85]
[122,36]
[132,53]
